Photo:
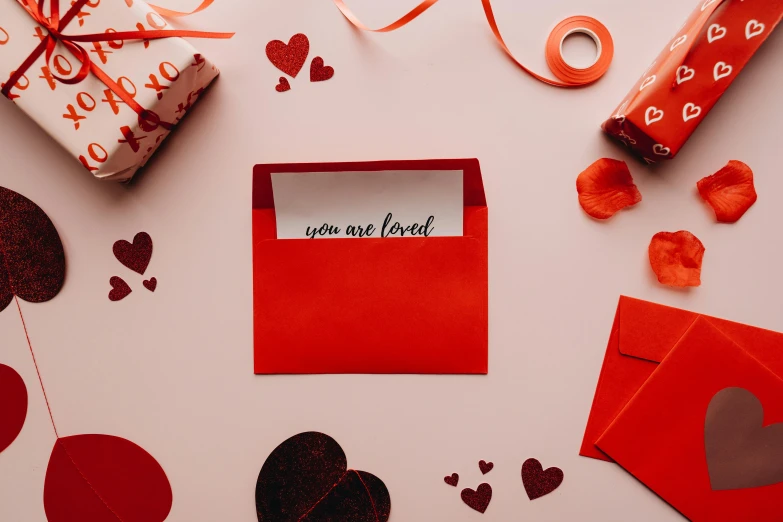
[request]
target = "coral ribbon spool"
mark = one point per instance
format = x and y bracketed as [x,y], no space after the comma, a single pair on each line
[569,76]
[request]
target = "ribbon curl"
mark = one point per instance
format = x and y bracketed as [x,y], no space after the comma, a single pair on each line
[55,24]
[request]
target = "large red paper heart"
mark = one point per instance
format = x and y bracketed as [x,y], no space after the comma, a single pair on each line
[539,482]
[13,405]
[119,289]
[479,499]
[319,72]
[136,255]
[289,58]
[306,479]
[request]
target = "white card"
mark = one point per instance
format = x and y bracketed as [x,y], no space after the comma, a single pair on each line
[389,204]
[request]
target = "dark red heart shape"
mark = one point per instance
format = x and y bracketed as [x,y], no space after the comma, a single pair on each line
[283,85]
[150,284]
[485,467]
[319,73]
[539,482]
[119,289]
[306,478]
[479,499]
[289,58]
[452,480]
[136,255]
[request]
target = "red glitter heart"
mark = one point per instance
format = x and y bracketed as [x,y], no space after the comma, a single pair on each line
[289,58]
[539,482]
[150,284]
[485,467]
[479,499]
[135,256]
[319,73]
[452,480]
[283,85]
[119,289]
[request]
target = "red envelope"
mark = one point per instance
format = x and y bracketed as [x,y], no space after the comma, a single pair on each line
[370,305]
[705,431]
[643,334]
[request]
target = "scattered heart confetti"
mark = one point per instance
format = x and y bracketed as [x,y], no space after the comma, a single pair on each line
[13,405]
[478,499]
[102,478]
[136,255]
[538,481]
[676,258]
[452,480]
[283,85]
[307,478]
[485,467]
[119,289]
[605,187]
[32,260]
[289,58]
[151,284]
[319,72]
[730,191]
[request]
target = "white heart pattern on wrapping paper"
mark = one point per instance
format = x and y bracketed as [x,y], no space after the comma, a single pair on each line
[690,111]
[706,4]
[715,32]
[684,73]
[649,161]
[721,70]
[624,136]
[652,114]
[619,116]
[678,41]
[753,28]
[647,81]
[661,150]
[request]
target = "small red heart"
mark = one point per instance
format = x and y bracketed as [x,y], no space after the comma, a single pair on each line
[289,58]
[485,467]
[453,480]
[479,499]
[539,482]
[319,73]
[135,256]
[119,289]
[283,85]
[151,284]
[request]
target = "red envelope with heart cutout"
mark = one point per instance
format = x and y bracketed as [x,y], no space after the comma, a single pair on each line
[643,334]
[705,431]
[370,304]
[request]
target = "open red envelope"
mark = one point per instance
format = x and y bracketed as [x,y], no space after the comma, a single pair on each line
[370,305]
[643,334]
[705,431]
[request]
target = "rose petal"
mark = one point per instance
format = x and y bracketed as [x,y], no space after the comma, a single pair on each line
[676,257]
[605,187]
[729,191]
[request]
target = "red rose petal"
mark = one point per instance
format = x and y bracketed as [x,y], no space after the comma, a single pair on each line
[730,191]
[605,187]
[676,257]
[13,405]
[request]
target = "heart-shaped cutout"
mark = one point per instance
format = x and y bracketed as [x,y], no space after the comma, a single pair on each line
[478,499]
[283,85]
[136,255]
[539,481]
[319,72]
[452,480]
[485,467]
[119,289]
[289,58]
[741,451]
[307,478]
[150,284]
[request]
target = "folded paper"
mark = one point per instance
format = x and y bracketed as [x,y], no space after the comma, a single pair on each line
[410,304]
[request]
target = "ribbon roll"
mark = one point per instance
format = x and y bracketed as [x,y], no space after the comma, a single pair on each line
[567,75]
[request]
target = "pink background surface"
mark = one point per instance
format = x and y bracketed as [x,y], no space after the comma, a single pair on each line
[172,371]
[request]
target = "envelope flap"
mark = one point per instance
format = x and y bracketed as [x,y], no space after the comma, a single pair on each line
[649,330]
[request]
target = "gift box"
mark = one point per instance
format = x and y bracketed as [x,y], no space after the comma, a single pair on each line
[689,76]
[159,77]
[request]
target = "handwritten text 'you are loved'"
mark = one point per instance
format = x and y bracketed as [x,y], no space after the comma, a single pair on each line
[389,228]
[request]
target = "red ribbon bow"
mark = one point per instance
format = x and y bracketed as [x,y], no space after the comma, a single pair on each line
[55,24]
